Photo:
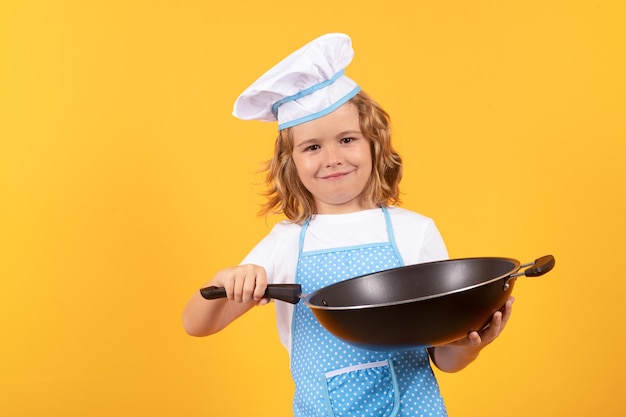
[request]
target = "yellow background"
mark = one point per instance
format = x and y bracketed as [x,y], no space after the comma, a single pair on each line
[126,183]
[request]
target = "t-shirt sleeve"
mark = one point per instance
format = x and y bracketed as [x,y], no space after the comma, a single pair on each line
[418,238]
[433,247]
[277,253]
[261,254]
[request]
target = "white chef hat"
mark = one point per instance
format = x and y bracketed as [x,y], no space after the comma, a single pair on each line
[306,85]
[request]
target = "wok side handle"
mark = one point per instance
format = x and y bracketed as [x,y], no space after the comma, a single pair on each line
[541,266]
[289,293]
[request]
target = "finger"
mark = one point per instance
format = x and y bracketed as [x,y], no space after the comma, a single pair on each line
[254,283]
[260,285]
[474,339]
[496,320]
[248,283]
[227,282]
[508,309]
[264,301]
[493,330]
[239,282]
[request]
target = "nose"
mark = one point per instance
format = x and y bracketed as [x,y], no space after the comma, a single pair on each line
[332,156]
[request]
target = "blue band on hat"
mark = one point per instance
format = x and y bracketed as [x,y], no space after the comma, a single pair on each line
[305,92]
[321,113]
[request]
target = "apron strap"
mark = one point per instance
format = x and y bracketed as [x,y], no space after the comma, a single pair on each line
[390,234]
[305,226]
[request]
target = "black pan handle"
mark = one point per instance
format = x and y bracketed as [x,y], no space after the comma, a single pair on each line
[541,266]
[213,292]
[290,293]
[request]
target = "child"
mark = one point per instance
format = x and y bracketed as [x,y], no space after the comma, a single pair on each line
[335,176]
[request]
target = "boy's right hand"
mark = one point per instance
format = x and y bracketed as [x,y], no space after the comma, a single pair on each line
[243,283]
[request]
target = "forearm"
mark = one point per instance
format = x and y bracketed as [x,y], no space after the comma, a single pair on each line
[203,317]
[453,358]
[244,284]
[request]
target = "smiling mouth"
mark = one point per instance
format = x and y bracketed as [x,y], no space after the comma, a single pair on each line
[335,176]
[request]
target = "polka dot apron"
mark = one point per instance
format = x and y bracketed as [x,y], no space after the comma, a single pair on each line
[335,379]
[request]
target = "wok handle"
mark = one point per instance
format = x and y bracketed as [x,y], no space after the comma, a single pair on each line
[541,266]
[290,293]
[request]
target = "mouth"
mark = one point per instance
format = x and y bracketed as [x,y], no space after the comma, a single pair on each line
[335,176]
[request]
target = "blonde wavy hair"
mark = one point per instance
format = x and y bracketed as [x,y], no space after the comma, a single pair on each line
[287,195]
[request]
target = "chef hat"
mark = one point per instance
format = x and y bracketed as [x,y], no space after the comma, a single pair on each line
[306,85]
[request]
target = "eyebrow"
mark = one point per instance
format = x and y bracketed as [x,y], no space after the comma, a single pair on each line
[349,132]
[306,143]
[339,135]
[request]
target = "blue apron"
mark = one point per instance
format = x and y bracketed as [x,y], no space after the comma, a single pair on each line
[335,379]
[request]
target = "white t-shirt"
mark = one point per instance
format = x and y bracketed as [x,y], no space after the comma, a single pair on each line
[417,239]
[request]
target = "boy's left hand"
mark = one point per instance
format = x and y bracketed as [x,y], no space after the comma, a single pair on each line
[454,356]
[488,334]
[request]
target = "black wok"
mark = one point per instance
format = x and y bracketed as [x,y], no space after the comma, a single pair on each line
[411,306]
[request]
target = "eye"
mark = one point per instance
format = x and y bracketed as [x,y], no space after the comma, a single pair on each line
[311,148]
[347,140]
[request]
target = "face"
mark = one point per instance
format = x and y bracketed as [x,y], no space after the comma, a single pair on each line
[334,160]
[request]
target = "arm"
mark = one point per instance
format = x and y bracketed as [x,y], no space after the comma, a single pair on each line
[245,286]
[455,356]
